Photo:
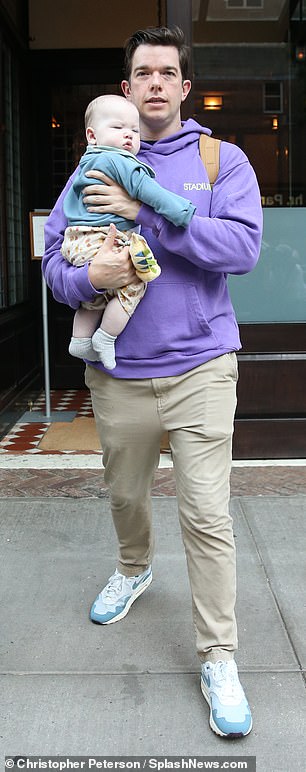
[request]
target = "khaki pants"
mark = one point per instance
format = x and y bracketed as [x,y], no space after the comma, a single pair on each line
[197,409]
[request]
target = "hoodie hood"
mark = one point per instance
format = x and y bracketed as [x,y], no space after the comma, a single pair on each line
[189,133]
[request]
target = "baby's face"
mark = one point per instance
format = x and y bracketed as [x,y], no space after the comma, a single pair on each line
[119,126]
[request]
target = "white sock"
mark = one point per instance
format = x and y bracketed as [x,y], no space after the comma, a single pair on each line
[82,348]
[104,345]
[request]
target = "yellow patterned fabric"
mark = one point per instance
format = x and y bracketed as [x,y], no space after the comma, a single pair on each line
[81,243]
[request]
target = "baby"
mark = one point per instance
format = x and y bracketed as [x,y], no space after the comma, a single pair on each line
[112,133]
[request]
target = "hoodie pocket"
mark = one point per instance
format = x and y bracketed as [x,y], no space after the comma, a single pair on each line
[170,318]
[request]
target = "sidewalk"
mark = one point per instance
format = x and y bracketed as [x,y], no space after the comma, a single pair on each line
[69,687]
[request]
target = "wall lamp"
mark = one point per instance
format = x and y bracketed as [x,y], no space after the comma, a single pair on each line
[213,101]
[300,53]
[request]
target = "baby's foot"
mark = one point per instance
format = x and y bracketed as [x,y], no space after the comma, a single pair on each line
[104,346]
[82,349]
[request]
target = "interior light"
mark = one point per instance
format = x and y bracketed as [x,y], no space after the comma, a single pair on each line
[300,53]
[213,102]
[275,123]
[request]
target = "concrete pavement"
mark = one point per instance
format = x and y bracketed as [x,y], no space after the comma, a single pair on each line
[69,687]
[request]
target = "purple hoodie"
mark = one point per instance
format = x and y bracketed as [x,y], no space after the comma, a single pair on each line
[186,316]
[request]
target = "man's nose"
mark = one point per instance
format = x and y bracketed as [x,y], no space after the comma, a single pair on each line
[155,79]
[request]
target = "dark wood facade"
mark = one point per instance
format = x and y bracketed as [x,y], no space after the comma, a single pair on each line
[20,338]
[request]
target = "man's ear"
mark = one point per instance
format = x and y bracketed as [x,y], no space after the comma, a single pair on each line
[91,136]
[185,89]
[125,86]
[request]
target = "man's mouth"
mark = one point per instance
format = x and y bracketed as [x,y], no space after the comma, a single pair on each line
[156,101]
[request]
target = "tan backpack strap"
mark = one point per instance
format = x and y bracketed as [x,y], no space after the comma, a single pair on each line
[210,155]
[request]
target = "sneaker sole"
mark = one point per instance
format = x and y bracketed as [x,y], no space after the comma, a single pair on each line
[142,587]
[213,726]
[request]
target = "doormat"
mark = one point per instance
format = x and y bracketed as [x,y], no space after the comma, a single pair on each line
[80,434]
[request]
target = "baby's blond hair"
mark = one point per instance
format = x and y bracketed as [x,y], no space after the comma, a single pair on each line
[97,104]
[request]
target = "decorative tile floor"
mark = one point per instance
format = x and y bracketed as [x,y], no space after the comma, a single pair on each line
[25,437]
[69,399]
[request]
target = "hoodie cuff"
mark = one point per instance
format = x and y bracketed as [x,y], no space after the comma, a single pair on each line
[83,289]
[149,219]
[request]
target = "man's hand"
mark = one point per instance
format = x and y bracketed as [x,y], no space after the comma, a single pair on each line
[111,266]
[109,198]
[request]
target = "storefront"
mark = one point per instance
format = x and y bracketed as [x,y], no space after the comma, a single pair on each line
[249,73]
[250,76]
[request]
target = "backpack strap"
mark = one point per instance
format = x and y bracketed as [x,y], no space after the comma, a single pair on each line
[210,155]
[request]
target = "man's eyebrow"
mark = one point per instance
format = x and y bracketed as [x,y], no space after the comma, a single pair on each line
[164,67]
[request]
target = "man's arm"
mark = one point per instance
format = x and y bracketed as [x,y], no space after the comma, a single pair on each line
[72,285]
[67,284]
[131,174]
[229,239]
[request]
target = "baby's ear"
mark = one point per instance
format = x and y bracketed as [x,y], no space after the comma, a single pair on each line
[91,136]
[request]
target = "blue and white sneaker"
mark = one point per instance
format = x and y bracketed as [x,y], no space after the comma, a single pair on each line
[115,600]
[230,715]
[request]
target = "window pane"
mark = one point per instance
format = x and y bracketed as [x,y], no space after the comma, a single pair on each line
[276,290]
[253,67]
[68,132]
[15,254]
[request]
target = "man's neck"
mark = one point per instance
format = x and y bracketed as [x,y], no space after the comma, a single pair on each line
[151,133]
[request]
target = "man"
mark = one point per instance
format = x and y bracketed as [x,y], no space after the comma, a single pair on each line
[176,363]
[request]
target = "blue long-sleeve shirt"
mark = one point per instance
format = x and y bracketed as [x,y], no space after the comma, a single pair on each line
[136,177]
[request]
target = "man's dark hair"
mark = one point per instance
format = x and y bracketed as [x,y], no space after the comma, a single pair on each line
[157,36]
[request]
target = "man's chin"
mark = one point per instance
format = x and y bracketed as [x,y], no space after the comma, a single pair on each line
[156,112]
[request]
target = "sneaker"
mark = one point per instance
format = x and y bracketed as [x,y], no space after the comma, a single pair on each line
[230,715]
[115,600]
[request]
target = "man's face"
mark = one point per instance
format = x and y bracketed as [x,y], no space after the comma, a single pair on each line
[157,89]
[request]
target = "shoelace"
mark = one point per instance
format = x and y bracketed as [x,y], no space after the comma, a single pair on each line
[226,677]
[114,587]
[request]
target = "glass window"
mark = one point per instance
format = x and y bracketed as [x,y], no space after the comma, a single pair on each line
[273,97]
[244,3]
[68,134]
[14,274]
[250,89]
[275,291]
